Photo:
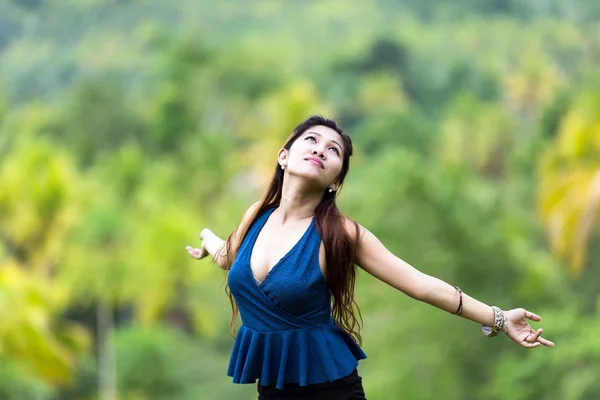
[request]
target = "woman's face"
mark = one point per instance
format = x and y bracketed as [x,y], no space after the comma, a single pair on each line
[316,155]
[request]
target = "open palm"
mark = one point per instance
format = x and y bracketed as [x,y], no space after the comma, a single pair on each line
[197,253]
[521,332]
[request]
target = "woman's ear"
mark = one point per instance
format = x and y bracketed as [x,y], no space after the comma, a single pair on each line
[282,157]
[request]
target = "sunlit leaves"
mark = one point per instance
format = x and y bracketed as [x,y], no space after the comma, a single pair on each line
[29,334]
[569,195]
[37,201]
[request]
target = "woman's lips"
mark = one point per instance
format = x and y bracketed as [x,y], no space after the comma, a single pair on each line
[316,161]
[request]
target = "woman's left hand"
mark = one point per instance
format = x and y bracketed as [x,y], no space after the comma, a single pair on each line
[520,331]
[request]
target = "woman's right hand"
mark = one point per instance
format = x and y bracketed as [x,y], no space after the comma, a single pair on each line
[198,254]
[211,246]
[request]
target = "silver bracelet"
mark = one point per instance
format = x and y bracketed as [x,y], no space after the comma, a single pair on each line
[500,324]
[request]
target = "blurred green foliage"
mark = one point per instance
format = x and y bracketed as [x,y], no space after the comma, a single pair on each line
[127,126]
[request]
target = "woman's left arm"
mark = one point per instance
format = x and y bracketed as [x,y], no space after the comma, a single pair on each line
[377,260]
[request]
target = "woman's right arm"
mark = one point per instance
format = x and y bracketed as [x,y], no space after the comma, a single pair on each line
[216,247]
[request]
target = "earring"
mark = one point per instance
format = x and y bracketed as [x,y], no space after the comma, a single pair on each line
[330,190]
[282,166]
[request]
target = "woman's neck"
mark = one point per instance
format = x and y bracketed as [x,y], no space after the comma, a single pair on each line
[297,201]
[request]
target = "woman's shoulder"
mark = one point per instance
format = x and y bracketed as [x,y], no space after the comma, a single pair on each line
[250,211]
[353,228]
[244,222]
[249,214]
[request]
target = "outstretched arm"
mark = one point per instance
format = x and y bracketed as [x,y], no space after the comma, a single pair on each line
[377,260]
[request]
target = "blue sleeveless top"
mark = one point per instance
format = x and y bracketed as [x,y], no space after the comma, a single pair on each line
[287,333]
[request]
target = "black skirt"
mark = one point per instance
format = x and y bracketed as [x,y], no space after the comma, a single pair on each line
[346,388]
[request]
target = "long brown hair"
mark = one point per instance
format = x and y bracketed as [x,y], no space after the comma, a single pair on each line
[340,249]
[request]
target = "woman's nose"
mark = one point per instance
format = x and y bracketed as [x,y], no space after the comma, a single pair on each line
[317,151]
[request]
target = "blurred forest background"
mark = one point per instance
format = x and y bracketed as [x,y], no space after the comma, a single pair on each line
[126,126]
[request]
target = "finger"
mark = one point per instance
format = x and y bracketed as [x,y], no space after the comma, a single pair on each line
[545,342]
[534,336]
[530,345]
[532,316]
[193,252]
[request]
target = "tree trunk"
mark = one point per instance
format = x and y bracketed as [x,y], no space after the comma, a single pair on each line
[107,368]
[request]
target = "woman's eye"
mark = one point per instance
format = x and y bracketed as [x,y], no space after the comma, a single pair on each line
[335,150]
[311,137]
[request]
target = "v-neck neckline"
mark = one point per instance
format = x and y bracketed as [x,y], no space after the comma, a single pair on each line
[282,259]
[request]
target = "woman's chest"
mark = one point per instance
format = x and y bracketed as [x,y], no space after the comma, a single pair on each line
[297,249]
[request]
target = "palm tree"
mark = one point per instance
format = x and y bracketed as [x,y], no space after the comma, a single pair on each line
[36,204]
[569,171]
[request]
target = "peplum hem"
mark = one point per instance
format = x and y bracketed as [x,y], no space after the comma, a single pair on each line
[303,356]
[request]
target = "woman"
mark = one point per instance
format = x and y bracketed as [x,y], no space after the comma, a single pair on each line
[291,264]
